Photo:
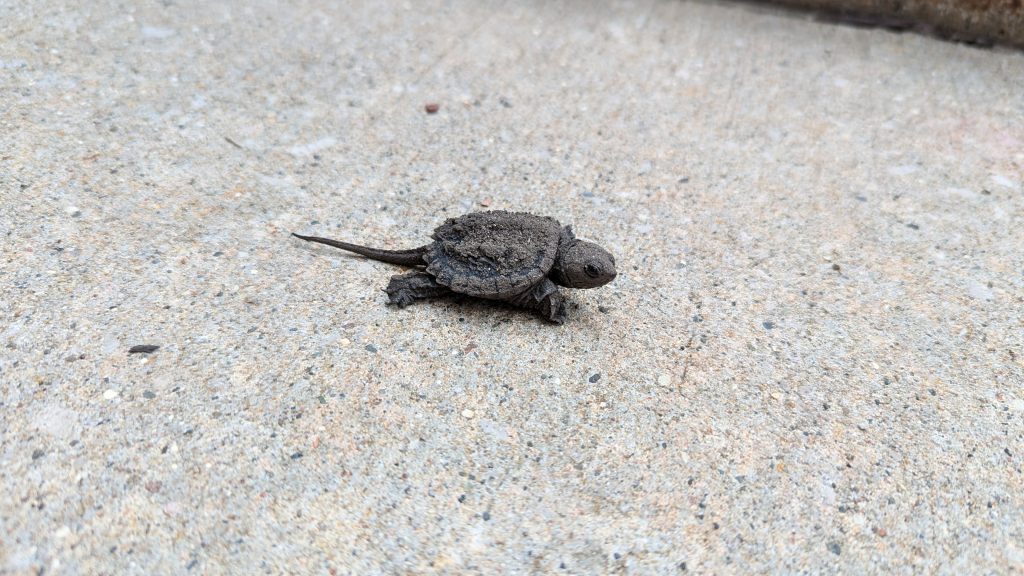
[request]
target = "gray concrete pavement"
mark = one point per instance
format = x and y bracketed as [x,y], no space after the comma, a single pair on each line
[811,361]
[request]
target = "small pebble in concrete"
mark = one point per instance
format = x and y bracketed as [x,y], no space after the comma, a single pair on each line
[109,394]
[595,378]
[768,324]
[143,349]
[835,548]
[432,108]
[467,413]
[371,348]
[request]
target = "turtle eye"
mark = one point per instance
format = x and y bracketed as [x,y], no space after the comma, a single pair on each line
[591,271]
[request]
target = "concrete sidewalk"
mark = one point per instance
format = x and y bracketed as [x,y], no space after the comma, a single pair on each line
[811,361]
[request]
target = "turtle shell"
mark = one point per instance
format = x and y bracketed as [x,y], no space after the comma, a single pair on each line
[493,254]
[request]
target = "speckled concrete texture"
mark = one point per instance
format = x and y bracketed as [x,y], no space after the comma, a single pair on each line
[811,361]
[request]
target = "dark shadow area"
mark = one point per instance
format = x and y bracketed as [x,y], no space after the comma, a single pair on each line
[982,25]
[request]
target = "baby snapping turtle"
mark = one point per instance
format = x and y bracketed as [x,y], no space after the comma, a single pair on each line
[510,256]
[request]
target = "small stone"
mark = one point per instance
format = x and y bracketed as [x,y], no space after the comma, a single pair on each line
[154,486]
[768,324]
[486,516]
[37,454]
[835,548]
[371,348]
[62,532]
[432,108]
[73,211]
[467,413]
[595,378]
[148,395]
[143,349]
[602,309]
[296,456]
[109,394]
[664,380]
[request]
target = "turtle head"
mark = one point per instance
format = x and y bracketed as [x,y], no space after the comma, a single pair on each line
[581,264]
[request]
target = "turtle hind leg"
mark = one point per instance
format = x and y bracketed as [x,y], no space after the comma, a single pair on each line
[544,299]
[404,289]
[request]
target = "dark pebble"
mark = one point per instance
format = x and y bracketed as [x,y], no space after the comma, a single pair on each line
[835,548]
[837,267]
[143,349]
[682,566]
[218,253]
[432,108]
[487,516]
[37,454]
[913,226]
[297,455]
[148,395]
[768,324]
[371,348]
[603,309]
[595,378]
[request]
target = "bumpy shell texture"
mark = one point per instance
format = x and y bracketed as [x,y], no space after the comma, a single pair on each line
[494,254]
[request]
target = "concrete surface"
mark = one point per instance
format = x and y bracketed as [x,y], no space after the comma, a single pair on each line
[812,360]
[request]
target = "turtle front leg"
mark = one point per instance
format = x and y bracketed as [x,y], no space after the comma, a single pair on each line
[544,299]
[404,289]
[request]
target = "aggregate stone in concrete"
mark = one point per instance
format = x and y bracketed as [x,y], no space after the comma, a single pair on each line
[811,361]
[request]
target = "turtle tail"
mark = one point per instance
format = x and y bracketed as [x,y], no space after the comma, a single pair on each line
[413,257]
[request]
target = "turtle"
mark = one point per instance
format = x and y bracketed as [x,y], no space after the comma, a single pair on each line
[513,257]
